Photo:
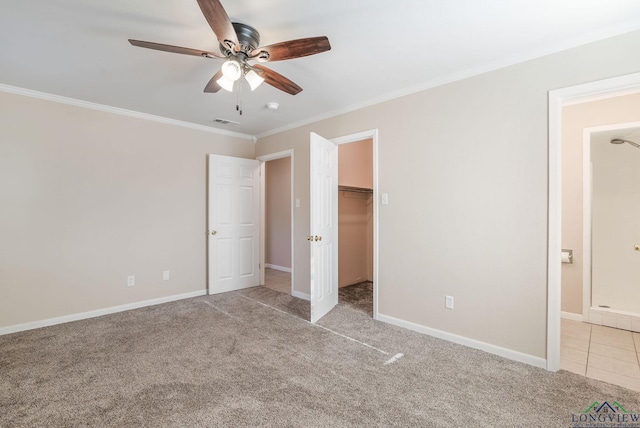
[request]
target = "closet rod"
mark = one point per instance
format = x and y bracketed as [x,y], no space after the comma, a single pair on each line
[354,189]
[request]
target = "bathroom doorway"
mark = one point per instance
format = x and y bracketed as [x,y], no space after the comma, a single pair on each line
[583,121]
[565,285]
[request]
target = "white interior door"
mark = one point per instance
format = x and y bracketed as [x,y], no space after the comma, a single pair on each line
[324,226]
[234,223]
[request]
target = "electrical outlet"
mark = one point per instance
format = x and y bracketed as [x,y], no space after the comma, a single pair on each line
[448,302]
[165,275]
[131,280]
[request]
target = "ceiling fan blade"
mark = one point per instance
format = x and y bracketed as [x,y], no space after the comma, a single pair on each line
[219,21]
[213,86]
[278,81]
[293,49]
[174,49]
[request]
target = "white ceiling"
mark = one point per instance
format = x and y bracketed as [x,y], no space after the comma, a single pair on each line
[380,49]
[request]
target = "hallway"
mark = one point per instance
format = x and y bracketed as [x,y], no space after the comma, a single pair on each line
[277,280]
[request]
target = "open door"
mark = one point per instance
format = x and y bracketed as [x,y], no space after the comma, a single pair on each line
[324,226]
[234,223]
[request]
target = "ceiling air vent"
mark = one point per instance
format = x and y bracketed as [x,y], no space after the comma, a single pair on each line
[226,121]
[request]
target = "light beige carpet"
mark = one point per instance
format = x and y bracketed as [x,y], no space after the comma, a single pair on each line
[241,359]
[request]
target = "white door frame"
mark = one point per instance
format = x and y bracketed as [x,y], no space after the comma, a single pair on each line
[263,219]
[352,138]
[557,98]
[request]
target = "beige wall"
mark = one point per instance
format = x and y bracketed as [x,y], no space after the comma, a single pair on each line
[89,197]
[355,164]
[278,212]
[465,168]
[575,118]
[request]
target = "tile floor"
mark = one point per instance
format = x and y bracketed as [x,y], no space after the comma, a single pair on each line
[601,353]
[277,280]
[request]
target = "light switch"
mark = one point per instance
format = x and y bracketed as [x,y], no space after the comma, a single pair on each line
[385,199]
[448,302]
[297,203]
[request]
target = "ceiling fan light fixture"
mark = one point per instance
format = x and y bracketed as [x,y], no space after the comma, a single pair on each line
[254,79]
[232,70]
[225,83]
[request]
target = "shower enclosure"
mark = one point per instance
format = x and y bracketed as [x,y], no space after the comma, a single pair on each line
[615,232]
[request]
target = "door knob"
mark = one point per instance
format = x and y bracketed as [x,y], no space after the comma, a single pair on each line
[309,238]
[318,238]
[213,232]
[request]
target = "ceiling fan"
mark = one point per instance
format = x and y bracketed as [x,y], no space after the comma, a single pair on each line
[239,46]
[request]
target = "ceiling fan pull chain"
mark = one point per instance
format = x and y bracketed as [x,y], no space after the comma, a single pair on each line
[237,84]
[239,100]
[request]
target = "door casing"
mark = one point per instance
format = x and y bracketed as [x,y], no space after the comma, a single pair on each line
[352,138]
[557,98]
[263,218]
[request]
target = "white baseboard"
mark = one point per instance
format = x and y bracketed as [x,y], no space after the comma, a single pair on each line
[492,349]
[571,316]
[276,267]
[300,295]
[98,312]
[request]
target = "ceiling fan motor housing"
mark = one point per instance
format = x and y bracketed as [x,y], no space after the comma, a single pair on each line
[248,37]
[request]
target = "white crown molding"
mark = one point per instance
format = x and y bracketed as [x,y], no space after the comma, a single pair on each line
[120,111]
[532,54]
[497,65]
